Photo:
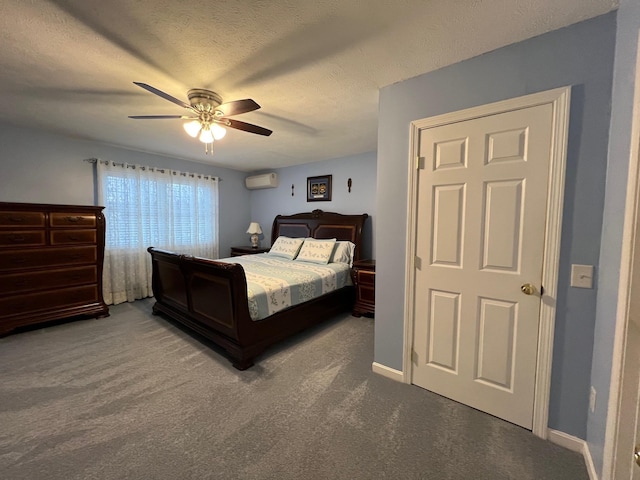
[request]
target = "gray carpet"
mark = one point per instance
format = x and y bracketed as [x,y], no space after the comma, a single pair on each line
[134,397]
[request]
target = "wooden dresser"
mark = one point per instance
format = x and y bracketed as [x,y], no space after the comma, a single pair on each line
[50,263]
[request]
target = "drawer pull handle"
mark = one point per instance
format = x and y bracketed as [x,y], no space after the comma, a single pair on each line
[17,238]
[74,256]
[73,238]
[16,219]
[18,260]
[22,283]
[73,219]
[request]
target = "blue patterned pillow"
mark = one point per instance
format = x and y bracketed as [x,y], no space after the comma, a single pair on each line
[286,247]
[316,251]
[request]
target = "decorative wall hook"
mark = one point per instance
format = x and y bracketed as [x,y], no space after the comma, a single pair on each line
[349,183]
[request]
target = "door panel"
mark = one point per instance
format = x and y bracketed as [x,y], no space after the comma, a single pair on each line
[507,146]
[448,219]
[444,338]
[497,328]
[480,225]
[502,225]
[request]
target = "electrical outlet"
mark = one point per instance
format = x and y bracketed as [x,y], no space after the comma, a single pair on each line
[592,400]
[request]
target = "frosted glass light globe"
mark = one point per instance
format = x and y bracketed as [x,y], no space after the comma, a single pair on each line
[218,131]
[192,128]
[206,136]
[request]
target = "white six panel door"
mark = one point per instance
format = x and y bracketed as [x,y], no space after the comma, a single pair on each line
[482,191]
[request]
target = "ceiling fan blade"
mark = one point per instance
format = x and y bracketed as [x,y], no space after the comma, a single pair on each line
[237,107]
[247,127]
[160,93]
[156,117]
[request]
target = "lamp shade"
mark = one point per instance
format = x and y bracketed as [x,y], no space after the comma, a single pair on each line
[254,228]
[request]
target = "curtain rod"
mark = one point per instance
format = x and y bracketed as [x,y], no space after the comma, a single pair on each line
[122,164]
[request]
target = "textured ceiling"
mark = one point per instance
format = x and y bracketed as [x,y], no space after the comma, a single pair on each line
[315,67]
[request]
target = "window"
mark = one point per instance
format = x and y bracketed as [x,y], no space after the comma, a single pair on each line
[152,207]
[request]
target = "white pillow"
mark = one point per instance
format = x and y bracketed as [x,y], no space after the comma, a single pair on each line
[316,251]
[343,253]
[286,247]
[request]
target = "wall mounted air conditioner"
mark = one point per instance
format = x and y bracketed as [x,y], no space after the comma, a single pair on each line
[265,180]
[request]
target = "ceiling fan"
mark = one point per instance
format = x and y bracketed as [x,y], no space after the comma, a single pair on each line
[208,114]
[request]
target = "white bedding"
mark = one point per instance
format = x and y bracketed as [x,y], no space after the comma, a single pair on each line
[275,283]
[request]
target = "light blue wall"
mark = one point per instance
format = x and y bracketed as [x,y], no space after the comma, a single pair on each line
[611,243]
[267,203]
[581,56]
[38,167]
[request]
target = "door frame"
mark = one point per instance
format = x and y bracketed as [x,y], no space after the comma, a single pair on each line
[623,389]
[559,98]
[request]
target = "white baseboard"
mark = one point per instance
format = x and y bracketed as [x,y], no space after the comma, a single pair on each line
[577,445]
[388,372]
[565,440]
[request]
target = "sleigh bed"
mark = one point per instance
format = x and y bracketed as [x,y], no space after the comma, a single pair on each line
[210,297]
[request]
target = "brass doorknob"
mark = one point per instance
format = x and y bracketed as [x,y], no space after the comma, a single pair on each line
[636,454]
[528,289]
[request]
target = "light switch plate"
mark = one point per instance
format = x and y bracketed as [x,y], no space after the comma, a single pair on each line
[582,276]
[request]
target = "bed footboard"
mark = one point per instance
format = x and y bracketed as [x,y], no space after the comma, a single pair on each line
[207,296]
[210,298]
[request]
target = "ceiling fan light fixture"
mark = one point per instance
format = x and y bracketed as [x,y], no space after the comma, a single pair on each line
[218,131]
[192,128]
[209,112]
[205,135]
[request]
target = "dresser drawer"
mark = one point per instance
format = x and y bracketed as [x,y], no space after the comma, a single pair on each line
[65,237]
[72,220]
[22,238]
[33,302]
[43,280]
[21,219]
[50,257]
[366,278]
[367,294]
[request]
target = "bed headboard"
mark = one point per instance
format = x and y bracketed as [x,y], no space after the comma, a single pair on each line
[319,224]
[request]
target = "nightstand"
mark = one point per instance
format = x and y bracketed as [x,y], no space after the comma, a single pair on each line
[363,275]
[237,251]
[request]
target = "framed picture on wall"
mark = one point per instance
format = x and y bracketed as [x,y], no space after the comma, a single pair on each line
[319,189]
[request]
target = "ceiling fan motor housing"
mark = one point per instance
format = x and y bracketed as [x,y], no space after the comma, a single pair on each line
[204,100]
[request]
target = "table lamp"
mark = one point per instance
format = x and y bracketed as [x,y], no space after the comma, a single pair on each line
[255,230]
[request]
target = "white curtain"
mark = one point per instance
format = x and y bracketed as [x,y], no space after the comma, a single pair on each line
[147,207]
